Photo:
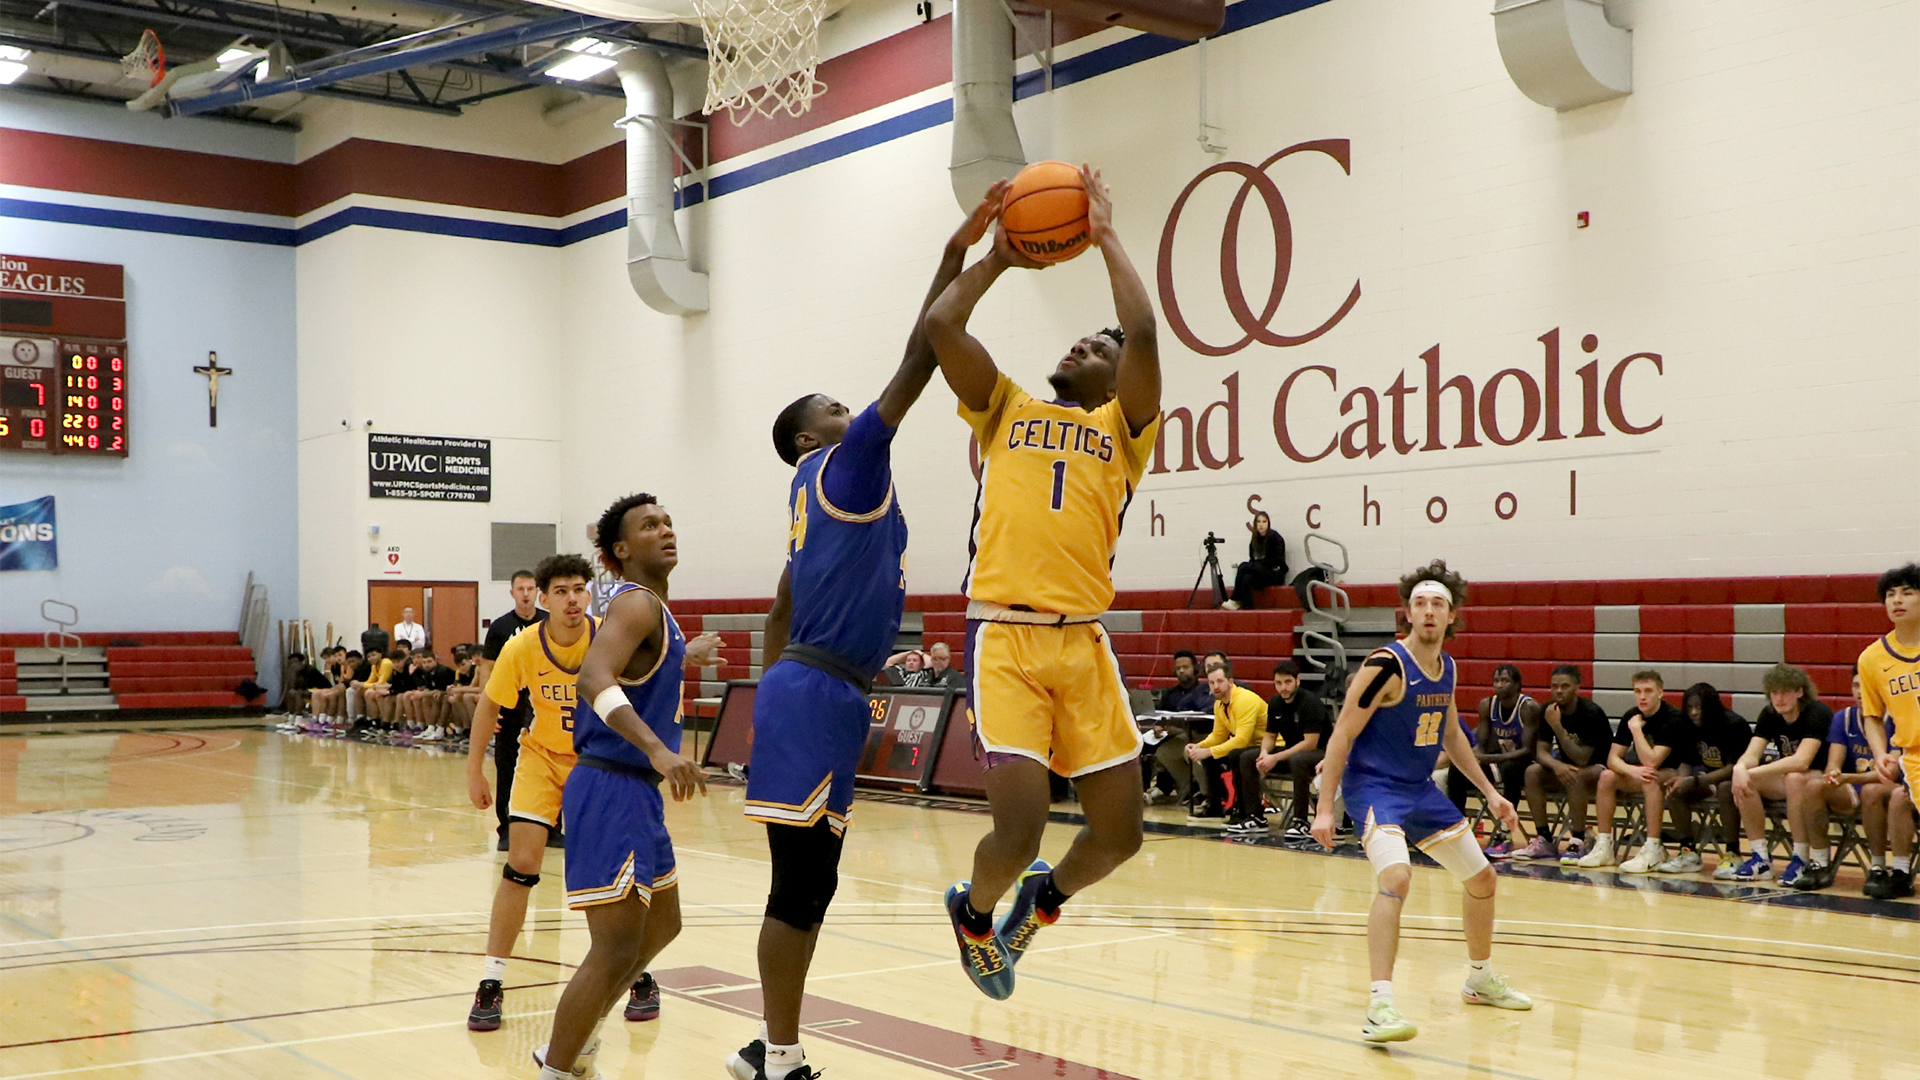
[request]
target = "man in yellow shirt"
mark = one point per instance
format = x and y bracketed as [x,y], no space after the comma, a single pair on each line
[544,660]
[1044,686]
[1889,673]
[1237,712]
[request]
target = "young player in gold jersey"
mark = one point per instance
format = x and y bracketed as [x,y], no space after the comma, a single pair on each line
[1046,689]
[1889,672]
[544,660]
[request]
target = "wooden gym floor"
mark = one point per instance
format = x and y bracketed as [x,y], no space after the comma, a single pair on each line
[238,903]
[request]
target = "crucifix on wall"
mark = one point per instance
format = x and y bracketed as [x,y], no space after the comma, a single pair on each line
[212,370]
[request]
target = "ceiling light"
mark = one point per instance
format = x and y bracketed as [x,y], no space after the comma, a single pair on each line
[11,67]
[234,55]
[580,68]
[591,45]
[10,52]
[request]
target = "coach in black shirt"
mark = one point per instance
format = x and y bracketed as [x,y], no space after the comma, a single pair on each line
[1298,727]
[506,740]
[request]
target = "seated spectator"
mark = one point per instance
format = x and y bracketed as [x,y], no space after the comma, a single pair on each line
[1298,727]
[1788,737]
[370,679]
[330,705]
[1504,742]
[1209,660]
[1705,758]
[1645,756]
[387,706]
[462,693]
[1902,823]
[1266,563]
[1569,756]
[1847,784]
[940,669]
[907,668]
[1188,692]
[302,679]
[1237,711]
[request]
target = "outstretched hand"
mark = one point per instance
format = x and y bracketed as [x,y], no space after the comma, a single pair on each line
[1012,256]
[975,228]
[1099,203]
[704,650]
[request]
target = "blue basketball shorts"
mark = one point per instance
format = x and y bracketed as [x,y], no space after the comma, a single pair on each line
[809,729]
[1419,811]
[617,839]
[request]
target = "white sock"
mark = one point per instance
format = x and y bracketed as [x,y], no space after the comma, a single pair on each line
[495,968]
[1759,848]
[763,1032]
[782,1060]
[1800,852]
[1479,968]
[1902,863]
[1820,857]
[1380,993]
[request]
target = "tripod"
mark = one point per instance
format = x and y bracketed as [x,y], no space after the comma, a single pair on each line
[1210,563]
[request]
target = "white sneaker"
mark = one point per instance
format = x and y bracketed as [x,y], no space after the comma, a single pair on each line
[1651,855]
[1684,861]
[1493,990]
[583,1062]
[1385,1024]
[1230,605]
[1601,855]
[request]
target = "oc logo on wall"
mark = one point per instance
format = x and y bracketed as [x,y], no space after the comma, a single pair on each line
[1255,326]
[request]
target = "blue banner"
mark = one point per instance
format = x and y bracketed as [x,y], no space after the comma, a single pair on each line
[26,536]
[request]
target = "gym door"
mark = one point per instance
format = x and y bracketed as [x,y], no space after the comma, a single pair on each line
[450,610]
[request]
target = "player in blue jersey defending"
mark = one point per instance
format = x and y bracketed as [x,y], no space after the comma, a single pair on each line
[620,866]
[1398,715]
[833,624]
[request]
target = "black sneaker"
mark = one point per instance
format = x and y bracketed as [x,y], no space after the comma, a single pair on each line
[486,1006]
[1815,878]
[1251,826]
[1900,883]
[643,1003]
[502,845]
[1879,884]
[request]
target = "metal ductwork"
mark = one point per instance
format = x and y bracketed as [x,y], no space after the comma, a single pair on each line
[1564,53]
[656,260]
[986,143]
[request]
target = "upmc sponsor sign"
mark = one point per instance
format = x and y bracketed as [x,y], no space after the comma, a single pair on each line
[429,467]
[1426,407]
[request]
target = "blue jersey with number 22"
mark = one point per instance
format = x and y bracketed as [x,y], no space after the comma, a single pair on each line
[1401,742]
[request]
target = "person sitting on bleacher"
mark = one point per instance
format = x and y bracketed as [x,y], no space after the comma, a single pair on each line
[1298,727]
[1266,563]
[1706,757]
[1504,742]
[907,669]
[1845,783]
[1568,756]
[1643,755]
[1188,692]
[302,680]
[371,675]
[940,669]
[1789,737]
[1237,711]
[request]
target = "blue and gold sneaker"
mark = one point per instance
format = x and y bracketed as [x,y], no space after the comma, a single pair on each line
[1024,918]
[984,958]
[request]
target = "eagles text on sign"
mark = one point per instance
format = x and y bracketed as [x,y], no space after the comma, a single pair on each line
[429,467]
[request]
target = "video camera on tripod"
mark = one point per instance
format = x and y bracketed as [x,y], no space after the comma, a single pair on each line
[1210,563]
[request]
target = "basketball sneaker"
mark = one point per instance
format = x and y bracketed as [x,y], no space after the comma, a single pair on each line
[583,1063]
[1500,850]
[1650,857]
[1576,850]
[1755,868]
[1879,884]
[1385,1024]
[748,1062]
[485,1015]
[984,958]
[1899,884]
[1790,874]
[1024,917]
[1684,861]
[1601,855]
[1492,989]
[1248,826]
[1539,848]
[643,1003]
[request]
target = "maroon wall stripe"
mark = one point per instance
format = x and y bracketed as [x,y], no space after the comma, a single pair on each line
[451,177]
[182,177]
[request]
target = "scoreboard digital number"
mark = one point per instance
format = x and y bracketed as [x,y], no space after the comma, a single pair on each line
[64,380]
[903,737]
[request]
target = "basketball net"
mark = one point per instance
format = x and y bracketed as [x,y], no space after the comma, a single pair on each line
[761,56]
[147,62]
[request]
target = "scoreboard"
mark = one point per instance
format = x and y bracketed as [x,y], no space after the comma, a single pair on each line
[64,376]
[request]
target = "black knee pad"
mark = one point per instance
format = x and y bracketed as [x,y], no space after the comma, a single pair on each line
[518,878]
[806,871]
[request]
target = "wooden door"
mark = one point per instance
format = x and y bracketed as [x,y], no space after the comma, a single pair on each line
[450,610]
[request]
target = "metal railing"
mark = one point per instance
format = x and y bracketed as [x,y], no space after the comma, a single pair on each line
[62,615]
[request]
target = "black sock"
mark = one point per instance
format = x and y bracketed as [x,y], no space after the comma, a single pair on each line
[1050,897]
[977,923]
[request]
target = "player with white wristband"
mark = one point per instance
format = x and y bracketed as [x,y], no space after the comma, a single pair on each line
[1398,716]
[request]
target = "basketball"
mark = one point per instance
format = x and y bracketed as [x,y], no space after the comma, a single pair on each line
[1046,212]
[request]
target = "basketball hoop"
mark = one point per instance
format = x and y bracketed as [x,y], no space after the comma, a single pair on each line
[761,56]
[147,62]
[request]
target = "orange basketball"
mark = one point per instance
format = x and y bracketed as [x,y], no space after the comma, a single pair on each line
[1046,212]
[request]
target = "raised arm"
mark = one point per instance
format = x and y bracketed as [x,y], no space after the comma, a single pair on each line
[633,620]
[916,367]
[1138,377]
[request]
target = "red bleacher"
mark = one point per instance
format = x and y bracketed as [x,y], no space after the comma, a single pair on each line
[196,669]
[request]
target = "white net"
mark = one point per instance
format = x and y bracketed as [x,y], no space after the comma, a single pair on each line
[761,55]
[145,63]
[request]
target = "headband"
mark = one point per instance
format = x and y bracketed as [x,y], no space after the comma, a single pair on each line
[1430,587]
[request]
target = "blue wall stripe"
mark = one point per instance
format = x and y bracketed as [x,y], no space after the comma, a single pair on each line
[1102,61]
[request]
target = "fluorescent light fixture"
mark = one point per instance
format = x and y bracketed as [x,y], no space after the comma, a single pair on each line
[580,68]
[10,52]
[11,70]
[591,45]
[234,55]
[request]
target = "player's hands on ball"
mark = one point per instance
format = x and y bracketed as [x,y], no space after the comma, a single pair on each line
[1323,828]
[704,651]
[684,778]
[974,229]
[1099,204]
[1004,250]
